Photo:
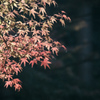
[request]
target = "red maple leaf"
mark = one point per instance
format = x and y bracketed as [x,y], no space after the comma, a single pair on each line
[45,63]
[24,60]
[16,70]
[17,87]
[8,83]
[33,12]
[55,49]
[9,77]
[33,61]
[16,81]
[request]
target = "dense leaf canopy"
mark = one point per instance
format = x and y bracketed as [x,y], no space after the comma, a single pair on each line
[25,35]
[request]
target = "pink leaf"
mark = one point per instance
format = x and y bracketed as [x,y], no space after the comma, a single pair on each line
[8,83]
[45,63]
[24,60]
[55,49]
[33,61]
[17,87]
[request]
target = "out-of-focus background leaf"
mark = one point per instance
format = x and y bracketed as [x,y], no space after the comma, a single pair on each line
[75,74]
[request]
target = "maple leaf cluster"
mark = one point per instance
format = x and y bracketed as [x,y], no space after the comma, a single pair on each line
[25,35]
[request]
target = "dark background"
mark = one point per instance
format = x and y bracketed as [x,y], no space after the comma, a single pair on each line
[75,74]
